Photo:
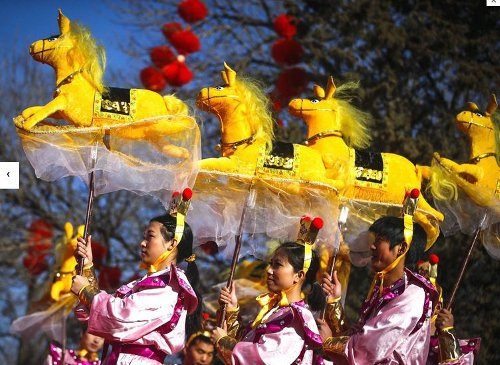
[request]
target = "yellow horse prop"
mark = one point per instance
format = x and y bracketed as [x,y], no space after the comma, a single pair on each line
[62,281]
[373,177]
[81,98]
[480,176]
[247,146]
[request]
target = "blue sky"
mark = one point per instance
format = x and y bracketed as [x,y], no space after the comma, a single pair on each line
[25,21]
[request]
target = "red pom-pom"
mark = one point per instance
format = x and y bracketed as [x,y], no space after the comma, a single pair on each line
[192,10]
[152,79]
[177,73]
[305,218]
[285,25]
[185,42]
[210,247]
[205,316]
[420,263]
[292,82]
[170,28]
[415,193]
[287,51]
[433,259]
[317,223]
[187,194]
[175,193]
[161,56]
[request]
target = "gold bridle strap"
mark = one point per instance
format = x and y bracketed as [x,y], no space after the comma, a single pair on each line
[234,145]
[328,133]
[478,158]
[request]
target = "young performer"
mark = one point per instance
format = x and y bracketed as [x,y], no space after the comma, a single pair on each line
[394,323]
[199,349]
[87,353]
[284,332]
[145,320]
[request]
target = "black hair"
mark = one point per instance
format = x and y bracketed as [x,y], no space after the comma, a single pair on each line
[392,229]
[184,250]
[201,338]
[295,254]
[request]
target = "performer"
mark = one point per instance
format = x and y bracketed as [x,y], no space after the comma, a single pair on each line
[394,323]
[145,320]
[284,332]
[445,347]
[199,349]
[87,353]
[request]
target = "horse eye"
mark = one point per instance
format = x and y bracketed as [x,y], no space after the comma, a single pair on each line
[478,114]
[219,88]
[52,38]
[314,101]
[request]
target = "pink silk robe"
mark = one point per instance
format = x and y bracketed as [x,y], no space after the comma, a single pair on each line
[394,327]
[288,334]
[148,312]
[70,357]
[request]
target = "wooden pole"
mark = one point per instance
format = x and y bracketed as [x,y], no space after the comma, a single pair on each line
[465,262]
[344,212]
[249,202]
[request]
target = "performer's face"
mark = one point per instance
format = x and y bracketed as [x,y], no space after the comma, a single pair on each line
[382,254]
[280,274]
[91,343]
[200,353]
[153,244]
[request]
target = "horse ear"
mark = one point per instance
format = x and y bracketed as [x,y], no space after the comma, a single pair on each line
[319,92]
[492,105]
[68,230]
[230,75]
[472,107]
[80,230]
[63,23]
[330,88]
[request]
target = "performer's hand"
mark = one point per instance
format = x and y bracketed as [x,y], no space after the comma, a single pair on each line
[444,319]
[84,249]
[228,297]
[331,286]
[324,329]
[218,332]
[79,282]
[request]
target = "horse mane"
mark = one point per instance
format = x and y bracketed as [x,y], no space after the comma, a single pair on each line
[258,108]
[92,56]
[353,122]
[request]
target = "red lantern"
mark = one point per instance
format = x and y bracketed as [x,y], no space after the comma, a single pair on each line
[192,10]
[292,82]
[285,25]
[35,264]
[99,253]
[169,28]
[185,42]
[152,79]
[109,277]
[287,51]
[161,56]
[40,237]
[177,73]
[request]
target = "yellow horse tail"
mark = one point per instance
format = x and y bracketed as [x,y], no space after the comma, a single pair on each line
[441,186]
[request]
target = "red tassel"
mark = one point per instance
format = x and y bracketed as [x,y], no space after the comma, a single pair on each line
[185,42]
[177,73]
[292,82]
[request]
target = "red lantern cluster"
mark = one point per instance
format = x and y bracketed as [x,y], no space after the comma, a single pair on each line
[39,246]
[109,277]
[169,68]
[287,52]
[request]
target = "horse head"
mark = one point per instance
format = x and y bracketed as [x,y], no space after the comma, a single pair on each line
[475,123]
[326,115]
[73,51]
[243,110]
